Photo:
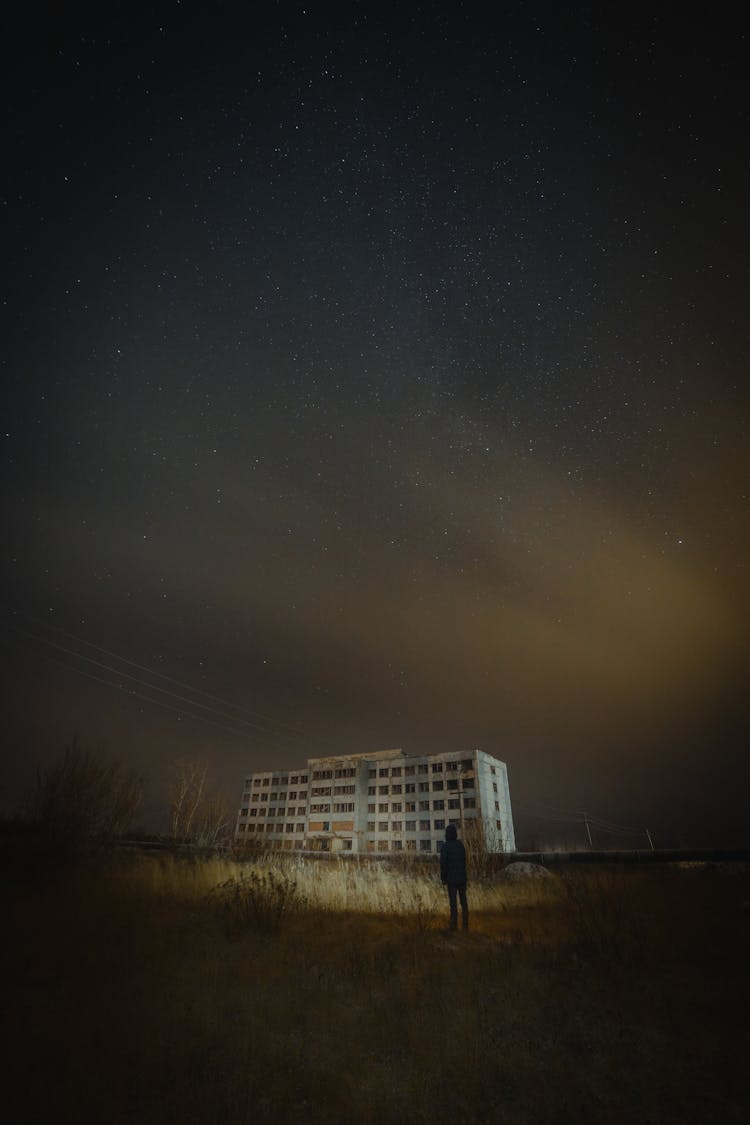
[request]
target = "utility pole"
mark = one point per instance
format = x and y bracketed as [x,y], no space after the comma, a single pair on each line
[588,830]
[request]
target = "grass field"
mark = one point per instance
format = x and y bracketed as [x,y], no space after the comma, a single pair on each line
[147,989]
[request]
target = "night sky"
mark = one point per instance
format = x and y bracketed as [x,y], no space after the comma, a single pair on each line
[382,377]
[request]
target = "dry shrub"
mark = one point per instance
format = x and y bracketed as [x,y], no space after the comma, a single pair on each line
[257,901]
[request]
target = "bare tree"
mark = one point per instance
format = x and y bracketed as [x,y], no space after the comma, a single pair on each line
[85,798]
[196,814]
[187,793]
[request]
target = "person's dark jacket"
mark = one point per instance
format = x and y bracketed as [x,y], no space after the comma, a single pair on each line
[453,863]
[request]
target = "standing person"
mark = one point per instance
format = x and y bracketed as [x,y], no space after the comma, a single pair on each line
[453,875]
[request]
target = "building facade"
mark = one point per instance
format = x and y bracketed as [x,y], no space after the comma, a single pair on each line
[378,803]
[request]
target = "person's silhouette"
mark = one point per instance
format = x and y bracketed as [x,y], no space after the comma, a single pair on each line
[453,875]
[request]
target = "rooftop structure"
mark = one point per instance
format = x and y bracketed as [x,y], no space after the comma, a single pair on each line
[378,803]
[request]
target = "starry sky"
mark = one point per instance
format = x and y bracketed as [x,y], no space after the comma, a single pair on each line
[376,377]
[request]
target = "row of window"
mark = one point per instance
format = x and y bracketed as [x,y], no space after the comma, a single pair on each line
[437,785]
[299,810]
[423,767]
[266,798]
[265,782]
[277,828]
[384,807]
[344,771]
[332,790]
[422,806]
[436,825]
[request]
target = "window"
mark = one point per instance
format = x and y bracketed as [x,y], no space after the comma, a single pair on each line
[396,806]
[253,812]
[262,812]
[497,806]
[383,772]
[397,826]
[411,826]
[383,806]
[343,806]
[437,805]
[264,796]
[274,796]
[467,783]
[289,828]
[453,783]
[498,824]
[408,771]
[493,771]
[303,795]
[396,789]
[243,812]
[280,811]
[470,802]
[424,787]
[298,845]
[299,828]
[322,775]
[423,768]
[451,767]
[411,845]
[382,826]
[424,806]
[256,783]
[266,781]
[284,781]
[243,828]
[382,845]
[347,845]
[438,784]
[293,795]
[371,826]
[371,807]
[272,812]
[370,790]
[410,806]
[294,779]
[453,803]
[372,773]
[437,767]
[424,826]
[397,845]
[303,779]
[344,789]
[410,787]
[468,763]
[319,808]
[440,824]
[396,771]
[320,791]
[383,790]
[425,845]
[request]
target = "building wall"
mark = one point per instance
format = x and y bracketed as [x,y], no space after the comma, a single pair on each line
[384,803]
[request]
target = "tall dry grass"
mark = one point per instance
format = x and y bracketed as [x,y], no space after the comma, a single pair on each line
[581,997]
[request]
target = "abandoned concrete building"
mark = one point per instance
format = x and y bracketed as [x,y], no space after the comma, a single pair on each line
[383,802]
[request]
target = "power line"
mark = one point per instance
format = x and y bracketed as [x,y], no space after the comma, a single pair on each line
[144,683]
[162,675]
[235,719]
[148,699]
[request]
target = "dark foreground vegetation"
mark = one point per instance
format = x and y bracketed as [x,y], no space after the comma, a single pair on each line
[140,989]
